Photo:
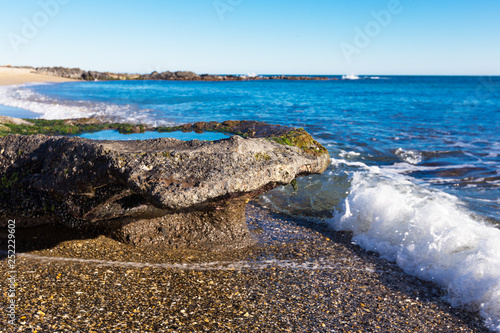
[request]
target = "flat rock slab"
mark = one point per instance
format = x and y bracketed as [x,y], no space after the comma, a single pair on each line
[152,192]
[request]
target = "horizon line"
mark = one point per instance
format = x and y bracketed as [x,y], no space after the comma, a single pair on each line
[263,74]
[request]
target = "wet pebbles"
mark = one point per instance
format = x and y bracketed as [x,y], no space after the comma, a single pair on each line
[300,278]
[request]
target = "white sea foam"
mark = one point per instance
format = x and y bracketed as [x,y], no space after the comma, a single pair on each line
[406,168]
[410,156]
[350,77]
[429,234]
[21,96]
[350,154]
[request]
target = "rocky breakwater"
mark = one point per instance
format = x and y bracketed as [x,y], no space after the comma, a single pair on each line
[79,74]
[162,192]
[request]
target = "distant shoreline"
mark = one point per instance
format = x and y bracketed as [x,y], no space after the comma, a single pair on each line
[61,74]
[12,75]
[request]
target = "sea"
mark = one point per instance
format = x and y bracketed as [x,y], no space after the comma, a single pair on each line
[415,160]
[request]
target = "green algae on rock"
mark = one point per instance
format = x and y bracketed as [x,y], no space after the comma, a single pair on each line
[247,129]
[65,127]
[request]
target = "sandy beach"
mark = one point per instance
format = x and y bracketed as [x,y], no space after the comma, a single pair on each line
[9,75]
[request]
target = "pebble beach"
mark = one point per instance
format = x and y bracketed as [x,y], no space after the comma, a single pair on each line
[299,277]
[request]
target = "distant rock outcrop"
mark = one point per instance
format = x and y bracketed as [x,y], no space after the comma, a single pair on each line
[163,192]
[78,74]
[69,73]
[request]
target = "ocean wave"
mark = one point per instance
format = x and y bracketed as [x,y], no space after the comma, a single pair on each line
[349,154]
[429,234]
[21,96]
[350,77]
[410,156]
[406,167]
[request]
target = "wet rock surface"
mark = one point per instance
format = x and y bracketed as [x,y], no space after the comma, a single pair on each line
[162,192]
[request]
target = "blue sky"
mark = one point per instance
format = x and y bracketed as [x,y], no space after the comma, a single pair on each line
[240,36]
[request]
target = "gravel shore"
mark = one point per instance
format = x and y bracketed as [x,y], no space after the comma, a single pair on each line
[300,277]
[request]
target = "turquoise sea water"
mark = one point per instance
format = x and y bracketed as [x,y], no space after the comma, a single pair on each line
[185,136]
[415,170]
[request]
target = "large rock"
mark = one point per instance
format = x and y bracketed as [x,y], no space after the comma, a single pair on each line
[152,192]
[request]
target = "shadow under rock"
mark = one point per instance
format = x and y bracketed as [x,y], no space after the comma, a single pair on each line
[42,237]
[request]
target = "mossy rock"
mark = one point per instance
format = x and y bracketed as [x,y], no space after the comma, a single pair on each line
[4,128]
[301,139]
[68,127]
[246,129]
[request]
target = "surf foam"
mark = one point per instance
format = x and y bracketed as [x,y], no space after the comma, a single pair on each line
[409,156]
[21,96]
[430,234]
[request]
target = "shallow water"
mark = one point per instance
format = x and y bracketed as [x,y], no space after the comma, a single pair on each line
[185,136]
[415,160]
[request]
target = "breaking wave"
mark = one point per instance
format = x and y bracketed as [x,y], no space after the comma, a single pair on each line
[21,96]
[428,233]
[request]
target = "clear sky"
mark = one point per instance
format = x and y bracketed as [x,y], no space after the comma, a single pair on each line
[450,37]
